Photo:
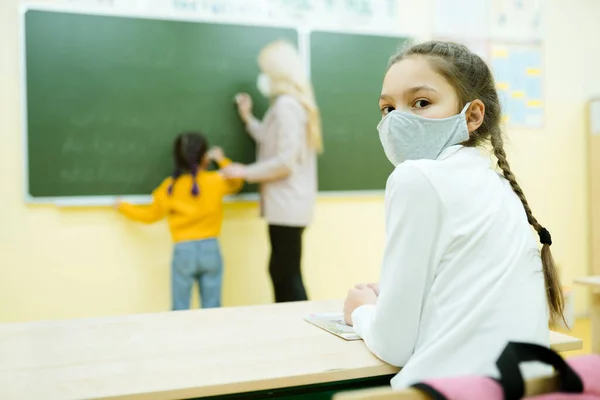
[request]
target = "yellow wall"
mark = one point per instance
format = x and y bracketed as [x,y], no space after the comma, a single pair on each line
[62,263]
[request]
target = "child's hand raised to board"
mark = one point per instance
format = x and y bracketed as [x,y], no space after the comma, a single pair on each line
[216,154]
[117,203]
[360,295]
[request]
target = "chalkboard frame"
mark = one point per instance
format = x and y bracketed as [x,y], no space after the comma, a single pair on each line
[304,34]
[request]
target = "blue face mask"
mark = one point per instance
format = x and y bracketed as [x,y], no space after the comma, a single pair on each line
[406,136]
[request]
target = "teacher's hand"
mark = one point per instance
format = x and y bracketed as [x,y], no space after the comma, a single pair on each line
[234,171]
[357,296]
[244,104]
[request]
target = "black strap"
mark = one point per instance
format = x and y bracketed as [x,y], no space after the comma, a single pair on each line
[433,393]
[515,353]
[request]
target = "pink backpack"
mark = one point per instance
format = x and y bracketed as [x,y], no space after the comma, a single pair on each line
[579,378]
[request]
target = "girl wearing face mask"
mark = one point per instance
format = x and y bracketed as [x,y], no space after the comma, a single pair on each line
[288,140]
[462,273]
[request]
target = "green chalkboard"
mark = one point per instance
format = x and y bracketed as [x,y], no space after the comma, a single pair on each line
[106,95]
[347,71]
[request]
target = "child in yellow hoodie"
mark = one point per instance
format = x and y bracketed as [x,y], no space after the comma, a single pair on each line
[192,201]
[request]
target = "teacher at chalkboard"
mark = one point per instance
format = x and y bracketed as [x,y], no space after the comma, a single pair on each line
[288,140]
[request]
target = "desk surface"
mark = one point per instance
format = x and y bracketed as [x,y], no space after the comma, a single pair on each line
[184,354]
[589,280]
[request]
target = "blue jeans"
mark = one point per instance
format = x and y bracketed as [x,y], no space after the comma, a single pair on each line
[200,261]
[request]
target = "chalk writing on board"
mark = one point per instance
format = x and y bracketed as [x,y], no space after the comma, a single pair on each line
[128,120]
[145,60]
[101,174]
[104,146]
[124,120]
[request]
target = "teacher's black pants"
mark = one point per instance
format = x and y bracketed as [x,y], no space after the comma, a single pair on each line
[284,266]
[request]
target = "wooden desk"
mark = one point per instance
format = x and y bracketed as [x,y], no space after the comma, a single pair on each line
[189,354]
[594,282]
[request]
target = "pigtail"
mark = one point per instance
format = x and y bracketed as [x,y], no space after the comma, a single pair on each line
[188,151]
[551,279]
[195,187]
[193,165]
[176,174]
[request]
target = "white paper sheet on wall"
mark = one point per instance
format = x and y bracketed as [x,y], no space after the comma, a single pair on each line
[518,20]
[461,18]
[595,117]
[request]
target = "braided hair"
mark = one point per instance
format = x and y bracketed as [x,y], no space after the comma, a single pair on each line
[189,150]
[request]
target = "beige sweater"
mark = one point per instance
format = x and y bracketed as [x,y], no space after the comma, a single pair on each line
[286,167]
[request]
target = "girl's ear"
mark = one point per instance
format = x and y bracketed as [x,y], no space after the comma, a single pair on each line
[475,115]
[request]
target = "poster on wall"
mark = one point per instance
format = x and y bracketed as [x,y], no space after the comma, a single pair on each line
[236,9]
[505,20]
[516,20]
[374,15]
[518,72]
[315,13]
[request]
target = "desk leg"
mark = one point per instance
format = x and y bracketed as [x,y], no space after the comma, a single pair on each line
[595,311]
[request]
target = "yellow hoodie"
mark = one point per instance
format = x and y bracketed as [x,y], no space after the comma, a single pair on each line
[189,217]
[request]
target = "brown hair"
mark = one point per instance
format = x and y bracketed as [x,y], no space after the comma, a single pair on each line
[189,150]
[472,79]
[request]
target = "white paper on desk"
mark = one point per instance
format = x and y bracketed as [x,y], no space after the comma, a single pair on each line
[333,323]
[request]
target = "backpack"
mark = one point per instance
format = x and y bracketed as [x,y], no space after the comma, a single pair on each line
[578,378]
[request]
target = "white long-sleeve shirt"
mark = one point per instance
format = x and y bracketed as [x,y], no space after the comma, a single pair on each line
[461,272]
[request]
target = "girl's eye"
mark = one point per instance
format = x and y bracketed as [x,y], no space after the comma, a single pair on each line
[421,103]
[386,110]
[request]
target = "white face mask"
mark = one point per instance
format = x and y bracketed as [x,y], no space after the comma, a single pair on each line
[407,136]
[263,83]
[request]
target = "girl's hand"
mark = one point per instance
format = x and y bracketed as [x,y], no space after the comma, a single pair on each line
[373,286]
[244,104]
[234,171]
[357,297]
[216,154]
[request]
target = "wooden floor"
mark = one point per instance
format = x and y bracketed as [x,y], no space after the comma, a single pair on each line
[582,330]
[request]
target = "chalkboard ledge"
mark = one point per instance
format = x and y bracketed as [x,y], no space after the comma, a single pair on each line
[106,201]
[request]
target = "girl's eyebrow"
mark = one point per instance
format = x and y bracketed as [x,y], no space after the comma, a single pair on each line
[419,88]
[410,91]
